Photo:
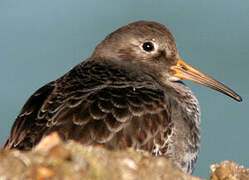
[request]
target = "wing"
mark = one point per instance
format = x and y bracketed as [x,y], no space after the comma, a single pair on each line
[24,121]
[115,117]
[81,107]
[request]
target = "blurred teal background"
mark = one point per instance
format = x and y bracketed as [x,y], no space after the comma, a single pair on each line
[41,40]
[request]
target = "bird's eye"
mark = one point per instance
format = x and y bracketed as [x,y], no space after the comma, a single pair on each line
[148,46]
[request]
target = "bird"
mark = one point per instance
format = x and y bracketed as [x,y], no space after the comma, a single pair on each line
[128,94]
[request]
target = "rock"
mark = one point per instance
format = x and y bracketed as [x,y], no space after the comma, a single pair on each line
[228,170]
[55,159]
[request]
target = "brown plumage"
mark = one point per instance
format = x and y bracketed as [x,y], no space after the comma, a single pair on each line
[127,94]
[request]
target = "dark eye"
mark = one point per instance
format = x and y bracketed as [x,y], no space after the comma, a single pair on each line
[148,46]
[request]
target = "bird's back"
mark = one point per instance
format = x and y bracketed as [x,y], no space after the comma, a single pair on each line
[91,103]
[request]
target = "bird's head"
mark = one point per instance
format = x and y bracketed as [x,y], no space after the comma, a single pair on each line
[151,47]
